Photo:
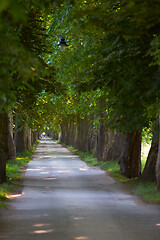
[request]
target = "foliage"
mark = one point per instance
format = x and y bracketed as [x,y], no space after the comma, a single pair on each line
[102,61]
[102,56]
[23,73]
[147,135]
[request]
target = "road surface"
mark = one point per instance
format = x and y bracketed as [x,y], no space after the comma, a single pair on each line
[64,199]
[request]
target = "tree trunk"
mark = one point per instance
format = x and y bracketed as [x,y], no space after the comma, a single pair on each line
[34,137]
[22,138]
[64,132]
[71,133]
[158,163]
[100,140]
[3,145]
[101,132]
[149,172]
[28,136]
[76,137]
[11,144]
[83,135]
[92,136]
[113,145]
[130,163]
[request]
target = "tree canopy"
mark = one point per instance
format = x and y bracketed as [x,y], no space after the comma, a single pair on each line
[113,49]
[113,56]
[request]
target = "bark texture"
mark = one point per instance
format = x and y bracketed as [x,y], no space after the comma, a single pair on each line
[130,162]
[3,145]
[22,138]
[11,144]
[105,144]
[158,163]
[113,145]
[34,137]
[149,172]
[100,140]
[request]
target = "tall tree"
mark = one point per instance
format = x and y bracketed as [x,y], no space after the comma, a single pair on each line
[104,56]
[22,41]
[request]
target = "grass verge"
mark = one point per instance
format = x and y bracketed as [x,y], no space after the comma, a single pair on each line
[14,169]
[146,190]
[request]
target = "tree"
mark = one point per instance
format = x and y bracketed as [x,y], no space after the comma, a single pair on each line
[22,41]
[3,145]
[158,163]
[119,62]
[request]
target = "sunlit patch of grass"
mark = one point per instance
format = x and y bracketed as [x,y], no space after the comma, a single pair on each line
[14,169]
[5,188]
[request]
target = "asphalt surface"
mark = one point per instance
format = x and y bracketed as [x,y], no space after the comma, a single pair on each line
[64,199]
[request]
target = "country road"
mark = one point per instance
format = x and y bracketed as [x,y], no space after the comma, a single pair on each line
[64,199]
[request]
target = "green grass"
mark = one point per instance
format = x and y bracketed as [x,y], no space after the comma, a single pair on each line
[89,159]
[13,172]
[146,190]
[113,168]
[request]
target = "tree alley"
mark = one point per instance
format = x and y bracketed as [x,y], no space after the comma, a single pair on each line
[112,61]
[23,76]
[100,93]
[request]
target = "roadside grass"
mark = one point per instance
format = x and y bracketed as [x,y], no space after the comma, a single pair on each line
[146,190]
[56,141]
[112,167]
[14,169]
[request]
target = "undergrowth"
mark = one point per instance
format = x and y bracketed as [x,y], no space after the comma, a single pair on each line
[14,168]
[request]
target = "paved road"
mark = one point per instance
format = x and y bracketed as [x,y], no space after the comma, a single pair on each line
[63,199]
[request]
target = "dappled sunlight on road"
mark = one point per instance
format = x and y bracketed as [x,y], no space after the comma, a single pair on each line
[63,171]
[83,169]
[64,199]
[44,172]
[49,179]
[11,196]
[78,218]
[41,225]
[42,231]
[81,238]
[32,169]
